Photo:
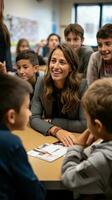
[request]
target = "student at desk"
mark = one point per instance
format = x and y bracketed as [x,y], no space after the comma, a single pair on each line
[17,179]
[28,67]
[88,171]
[56,107]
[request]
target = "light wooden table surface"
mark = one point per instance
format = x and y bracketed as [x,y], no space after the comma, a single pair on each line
[47,172]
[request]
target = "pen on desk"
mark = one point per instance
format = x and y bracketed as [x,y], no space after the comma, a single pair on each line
[56,150]
[41,151]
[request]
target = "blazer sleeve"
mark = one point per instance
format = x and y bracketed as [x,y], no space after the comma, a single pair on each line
[37,109]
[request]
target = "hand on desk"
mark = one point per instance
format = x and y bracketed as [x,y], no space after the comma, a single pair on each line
[69,139]
[66,137]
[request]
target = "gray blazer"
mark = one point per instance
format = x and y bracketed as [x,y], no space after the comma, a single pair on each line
[75,122]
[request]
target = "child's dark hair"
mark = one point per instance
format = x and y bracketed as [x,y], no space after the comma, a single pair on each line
[97,102]
[74,28]
[54,34]
[12,92]
[105,32]
[28,55]
[19,44]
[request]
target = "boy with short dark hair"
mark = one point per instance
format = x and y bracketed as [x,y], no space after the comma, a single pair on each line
[88,171]
[74,35]
[28,67]
[17,179]
[100,64]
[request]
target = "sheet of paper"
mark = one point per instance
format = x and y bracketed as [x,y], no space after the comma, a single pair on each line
[48,152]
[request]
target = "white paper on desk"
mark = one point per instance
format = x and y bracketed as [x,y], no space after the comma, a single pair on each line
[48,152]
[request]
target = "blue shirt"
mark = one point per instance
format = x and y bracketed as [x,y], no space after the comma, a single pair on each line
[17,179]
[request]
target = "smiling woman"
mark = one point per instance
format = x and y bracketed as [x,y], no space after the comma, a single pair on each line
[56,107]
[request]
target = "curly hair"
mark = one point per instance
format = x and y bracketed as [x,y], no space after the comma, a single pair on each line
[70,93]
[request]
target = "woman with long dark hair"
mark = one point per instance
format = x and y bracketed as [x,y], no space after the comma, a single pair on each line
[56,107]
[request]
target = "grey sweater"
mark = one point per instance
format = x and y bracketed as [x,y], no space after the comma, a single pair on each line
[84,54]
[88,171]
[95,68]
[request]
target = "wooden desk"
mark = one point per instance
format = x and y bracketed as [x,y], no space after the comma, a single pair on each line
[47,172]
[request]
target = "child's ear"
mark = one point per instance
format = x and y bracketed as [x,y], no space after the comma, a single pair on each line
[36,68]
[11,116]
[98,125]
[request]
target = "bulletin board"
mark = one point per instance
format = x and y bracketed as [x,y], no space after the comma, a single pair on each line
[22,28]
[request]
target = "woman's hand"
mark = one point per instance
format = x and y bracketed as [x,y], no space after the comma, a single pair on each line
[66,137]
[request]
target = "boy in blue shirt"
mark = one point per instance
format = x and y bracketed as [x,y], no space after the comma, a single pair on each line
[17,179]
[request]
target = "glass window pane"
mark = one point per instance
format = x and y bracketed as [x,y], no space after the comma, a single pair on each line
[88,17]
[106,14]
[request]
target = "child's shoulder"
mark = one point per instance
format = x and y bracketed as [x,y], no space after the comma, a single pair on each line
[9,141]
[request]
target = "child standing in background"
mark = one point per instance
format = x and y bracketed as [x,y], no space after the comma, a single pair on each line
[74,35]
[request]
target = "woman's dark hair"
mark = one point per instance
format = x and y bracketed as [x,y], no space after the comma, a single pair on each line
[70,92]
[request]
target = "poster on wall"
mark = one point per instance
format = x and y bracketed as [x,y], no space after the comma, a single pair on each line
[22,28]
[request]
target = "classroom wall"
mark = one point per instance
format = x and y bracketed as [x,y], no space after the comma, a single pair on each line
[50,14]
[43,11]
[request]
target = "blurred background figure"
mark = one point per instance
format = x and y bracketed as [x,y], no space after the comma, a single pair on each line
[5,53]
[100,63]
[74,35]
[22,44]
[48,45]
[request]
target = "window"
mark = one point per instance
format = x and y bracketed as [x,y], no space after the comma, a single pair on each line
[106,14]
[91,17]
